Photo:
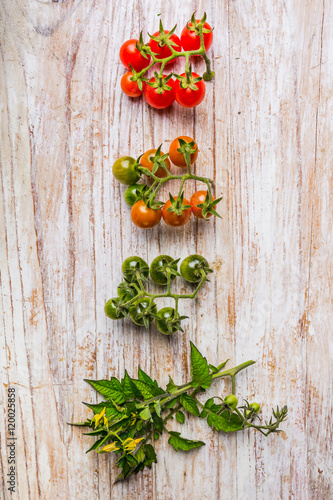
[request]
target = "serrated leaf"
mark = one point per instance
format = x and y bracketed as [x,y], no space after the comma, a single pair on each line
[147,390]
[150,456]
[157,407]
[111,411]
[180,417]
[96,444]
[199,368]
[223,423]
[111,389]
[129,387]
[145,414]
[158,423]
[189,404]
[184,444]
[145,378]
[171,387]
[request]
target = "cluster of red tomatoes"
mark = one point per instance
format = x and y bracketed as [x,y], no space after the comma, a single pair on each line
[177,210]
[160,91]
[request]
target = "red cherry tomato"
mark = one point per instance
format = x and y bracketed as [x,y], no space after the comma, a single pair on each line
[162,100]
[196,199]
[164,51]
[145,217]
[172,219]
[130,55]
[187,97]
[130,87]
[190,40]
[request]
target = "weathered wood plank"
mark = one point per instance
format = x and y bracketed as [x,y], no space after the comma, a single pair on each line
[265,134]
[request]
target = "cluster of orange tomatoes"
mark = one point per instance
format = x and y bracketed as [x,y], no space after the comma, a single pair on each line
[146,212]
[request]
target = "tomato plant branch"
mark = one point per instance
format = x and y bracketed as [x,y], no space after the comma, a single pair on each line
[136,411]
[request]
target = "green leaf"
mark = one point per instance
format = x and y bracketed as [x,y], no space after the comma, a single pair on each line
[140,454]
[110,389]
[180,417]
[129,387]
[145,378]
[200,369]
[111,411]
[157,406]
[189,404]
[184,444]
[150,456]
[147,390]
[171,387]
[172,402]
[223,423]
[96,444]
[158,423]
[145,413]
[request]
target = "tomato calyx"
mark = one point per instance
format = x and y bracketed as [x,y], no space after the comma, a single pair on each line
[142,47]
[207,207]
[187,149]
[160,83]
[195,24]
[177,205]
[136,77]
[164,38]
[188,81]
[158,160]
[170,319]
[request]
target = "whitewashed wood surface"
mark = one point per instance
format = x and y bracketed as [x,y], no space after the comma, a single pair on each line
[265,135]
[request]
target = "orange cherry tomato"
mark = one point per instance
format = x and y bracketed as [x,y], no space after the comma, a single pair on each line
[145,217]
[147,163]
[178,158]
[196,199]
[172,219]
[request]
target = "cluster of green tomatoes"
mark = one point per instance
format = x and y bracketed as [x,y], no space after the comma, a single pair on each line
[135,302]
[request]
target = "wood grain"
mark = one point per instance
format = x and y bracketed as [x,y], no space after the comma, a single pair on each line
[265,134]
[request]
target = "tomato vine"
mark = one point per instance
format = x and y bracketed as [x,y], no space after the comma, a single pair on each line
[163,48]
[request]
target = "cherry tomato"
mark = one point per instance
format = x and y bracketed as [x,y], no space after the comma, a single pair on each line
[134,193]
[160,100]
[255,407]
[130,55]
[192,266]
[126,291]
[196,199]
[147,163]
[190,40]
[172,219]
[158,269]
[130,87]
[142,308]
[178,158]
[110,309]
[187,97]
[145,217]
[135,267]
[163,51]
[231,401]
[164,321]
[124,170]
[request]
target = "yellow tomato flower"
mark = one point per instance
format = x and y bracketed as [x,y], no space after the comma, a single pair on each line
[100,416]
[111,447]
[130,444]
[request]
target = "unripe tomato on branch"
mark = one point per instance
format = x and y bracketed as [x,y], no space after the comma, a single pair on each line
[155,166]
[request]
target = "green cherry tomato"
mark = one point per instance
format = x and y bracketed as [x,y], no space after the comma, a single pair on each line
[192,266]
[124,170]
[133,267]
[255,407]
[158,269]
[126,291]
[134,193]
[231,401]
[140,311]
[110,309]
[165,322]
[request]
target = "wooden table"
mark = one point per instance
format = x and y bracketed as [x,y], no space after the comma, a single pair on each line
[265,135]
